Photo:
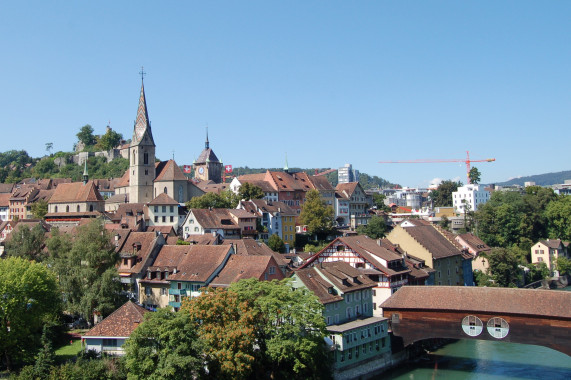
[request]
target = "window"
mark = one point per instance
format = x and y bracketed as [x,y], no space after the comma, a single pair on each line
[350,354]
[348,298]
[111,343]
[171,208]
[148,290]
[163,291]
[166,192]
[357,310]
[77,208]
[349,312]
[272,270]
[164,219]
[145,158]
[164,208]
[156,219]
[374,306]
[172,218]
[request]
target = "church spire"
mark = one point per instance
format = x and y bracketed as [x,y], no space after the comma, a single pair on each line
[286,169]
[206,144]
[142,124]
[85,174]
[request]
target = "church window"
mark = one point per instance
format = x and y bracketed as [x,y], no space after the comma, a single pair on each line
[66,208]
[180,194]
[146,159]
[78,208]
[165,190]
[55,209]
[146,172]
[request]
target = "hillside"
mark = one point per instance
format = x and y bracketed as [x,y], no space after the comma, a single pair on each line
[540,179]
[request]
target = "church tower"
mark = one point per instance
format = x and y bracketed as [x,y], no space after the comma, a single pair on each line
[207,166]
[141,155]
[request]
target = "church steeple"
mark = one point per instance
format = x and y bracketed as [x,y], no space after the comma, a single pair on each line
[85,174]
[286,168]
[142,124]
[206,144]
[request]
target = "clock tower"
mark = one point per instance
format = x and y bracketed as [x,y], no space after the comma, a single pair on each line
[207,166]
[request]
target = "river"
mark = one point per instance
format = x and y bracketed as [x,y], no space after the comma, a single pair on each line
[483,359]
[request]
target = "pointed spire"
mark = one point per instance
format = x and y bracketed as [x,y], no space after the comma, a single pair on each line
[286,169]
[85,174]
[206,144]
[142,123]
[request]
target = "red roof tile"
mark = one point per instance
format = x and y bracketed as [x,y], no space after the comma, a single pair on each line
[121,323]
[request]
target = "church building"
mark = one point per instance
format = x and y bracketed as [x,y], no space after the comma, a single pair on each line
[207,167]
[146,178]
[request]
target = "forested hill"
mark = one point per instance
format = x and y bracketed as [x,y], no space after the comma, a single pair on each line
[540,179]
[367,181]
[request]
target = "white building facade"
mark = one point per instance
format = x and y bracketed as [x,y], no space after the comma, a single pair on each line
[469,198]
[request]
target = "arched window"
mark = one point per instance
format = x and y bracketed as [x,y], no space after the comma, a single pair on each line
[165,190]
[78,208]
[90,207]
[134,159]
[55,209]
[66,208]
[180,194]
[146,158]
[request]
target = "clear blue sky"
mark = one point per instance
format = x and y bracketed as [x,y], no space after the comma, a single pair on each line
[328,82]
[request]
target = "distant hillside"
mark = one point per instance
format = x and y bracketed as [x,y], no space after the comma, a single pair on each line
[540,179]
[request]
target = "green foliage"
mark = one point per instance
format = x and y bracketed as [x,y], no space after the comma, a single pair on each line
[27,242]
[226,199]
[15,165]
[537,272]
[85,136]
[225,327]
[83,369]
[373,182]
[510,218]
[289,329]
[40,208]
[379,201]
[109,140]
[164,346]
[248,191]
[375,229]
[504,270]
[87,270]
[316,214]
[314,248]
[30,297]
[558,214]
[442,196]
[474,175]
[276,243]
[45,168]
[444,222]
[563,265]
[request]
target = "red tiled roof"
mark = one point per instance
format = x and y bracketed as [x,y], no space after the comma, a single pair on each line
[5,199]
[169,171]
[241,267]
[533,302]
[215,218]
[121,323]
[163,199]
[76,192]
[429,237]
[551,243]
[200,262]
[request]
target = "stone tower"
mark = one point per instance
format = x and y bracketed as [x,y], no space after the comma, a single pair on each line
[141,156]
[207,166]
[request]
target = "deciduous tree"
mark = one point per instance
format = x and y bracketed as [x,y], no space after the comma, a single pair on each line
[376,228]
[87,272]
[110,139]
[27,242]
[248,191]
[30,296]
[85,135]
[316,214]
[558,215]
[164,346]
[276,243]
[226,199]
[442,196]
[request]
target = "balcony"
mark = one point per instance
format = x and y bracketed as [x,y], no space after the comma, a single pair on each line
[178,292]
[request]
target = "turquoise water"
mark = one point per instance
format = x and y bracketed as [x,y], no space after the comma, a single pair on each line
[482,359]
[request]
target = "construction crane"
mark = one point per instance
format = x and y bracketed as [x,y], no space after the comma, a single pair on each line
[467,161]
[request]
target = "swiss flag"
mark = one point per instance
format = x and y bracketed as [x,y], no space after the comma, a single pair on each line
[228,168]
[187,168]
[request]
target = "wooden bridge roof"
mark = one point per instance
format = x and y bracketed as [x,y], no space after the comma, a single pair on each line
[531,302]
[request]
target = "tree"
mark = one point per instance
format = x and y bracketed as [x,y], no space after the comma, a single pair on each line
[289,329]
[563,265]
[87,271]
[226,199]
[537,272]
[49,147]
[442,196]
[85,135]
[504,266]
[164,346]
[379,201]
[558,215]
[248,191]
[225,327]
[276,243]
[376,228]
[40,208]
[27,242]
[110,139]
[316,214]
[30,296]
[474,175]
[444,222]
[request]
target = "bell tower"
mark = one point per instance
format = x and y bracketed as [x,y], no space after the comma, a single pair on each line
[141,154]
